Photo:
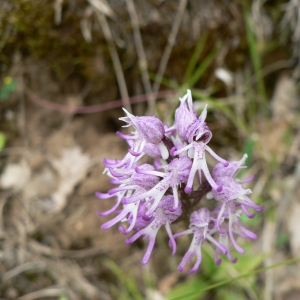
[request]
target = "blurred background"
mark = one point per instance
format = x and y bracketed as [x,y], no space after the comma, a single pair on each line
[66,69]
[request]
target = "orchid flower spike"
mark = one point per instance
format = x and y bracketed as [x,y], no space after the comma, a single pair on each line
[148,130]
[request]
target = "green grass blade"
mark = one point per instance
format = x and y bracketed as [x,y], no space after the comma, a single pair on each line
[2,140]
[165,81]
[127,281]
[193,286]
[202,68]
[247,274]
[215,104]
[255,57]
[194,59]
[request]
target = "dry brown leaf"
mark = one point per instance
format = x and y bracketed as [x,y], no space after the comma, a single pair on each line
[15,176]
[72,168]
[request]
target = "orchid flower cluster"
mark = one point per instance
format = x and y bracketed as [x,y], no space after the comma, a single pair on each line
[157,186]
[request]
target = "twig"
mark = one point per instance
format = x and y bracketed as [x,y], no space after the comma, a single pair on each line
[37,247]
[41,294]
[58,11]
[5,36]
[141,55]
[32,265]
[93,108]
[102,7]
[268,243]
[169,46]
[2,204]
[115,59]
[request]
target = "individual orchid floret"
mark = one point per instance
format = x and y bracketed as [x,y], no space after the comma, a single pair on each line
[136,180]
[120,168]
[164,215]
[135,185]
[229,215]
[148,130]
[225,242]
[176,173]
[188,126]
[197,152]
[145,180]
[185,115]
[231,170]
[140,222]
[232,190]
[130,212]
[202,226]
[118,200]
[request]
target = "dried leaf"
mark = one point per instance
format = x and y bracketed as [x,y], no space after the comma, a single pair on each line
[15,176]
[72,168]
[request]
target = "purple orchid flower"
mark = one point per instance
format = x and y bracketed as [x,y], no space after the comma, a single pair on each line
[147,130]
[229,215]
[151,195]
[188,126]
[231,170]
[201,227]
[200,164]
[232,190]
[175,173]
[135,185]
[163,215]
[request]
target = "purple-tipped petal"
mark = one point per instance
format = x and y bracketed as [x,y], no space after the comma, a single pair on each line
[124,136]
[149,250]
[234,243]
[217,260]
[188,190]
[247,213]
[172,151]
[134,153]
[102,195]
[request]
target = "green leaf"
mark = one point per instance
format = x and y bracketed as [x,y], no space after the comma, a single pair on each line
[256,62]
[9,86]
[128,283]
[224,108]
[190,290]
[201,69]
[2,140]
[230,280]
[282,239]
[194,59]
